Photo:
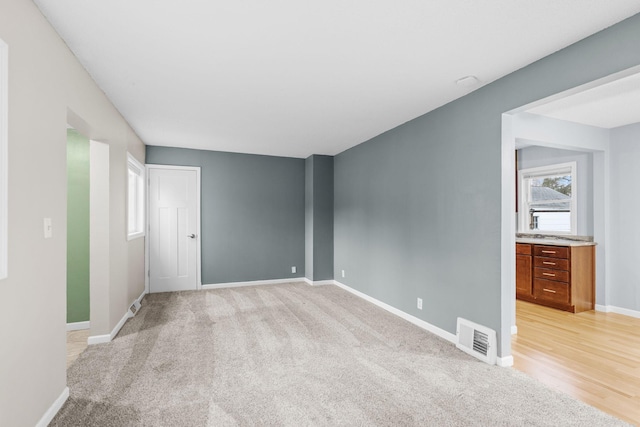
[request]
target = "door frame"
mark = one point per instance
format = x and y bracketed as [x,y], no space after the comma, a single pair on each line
[147,270]
[601,219]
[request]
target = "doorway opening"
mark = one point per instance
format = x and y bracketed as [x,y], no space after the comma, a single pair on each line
[596,122]
[78,195]
[87,236]
[78,214]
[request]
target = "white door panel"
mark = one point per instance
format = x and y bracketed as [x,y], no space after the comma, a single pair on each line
[173,229]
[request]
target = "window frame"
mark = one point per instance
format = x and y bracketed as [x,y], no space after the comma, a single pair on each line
[138,169]
[569,168]
[4,163]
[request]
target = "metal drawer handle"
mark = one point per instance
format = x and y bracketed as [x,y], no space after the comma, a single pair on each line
[549,290]
[548,263]
[548,252]
[549,274]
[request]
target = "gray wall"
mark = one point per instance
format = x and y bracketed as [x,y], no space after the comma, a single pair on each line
[624,290]
[253,213]
[532,157]
[308,217]
[417,209]
[319,217]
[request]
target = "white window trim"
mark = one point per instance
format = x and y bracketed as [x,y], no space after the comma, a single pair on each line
[132,162]
[4,164]
[523,217]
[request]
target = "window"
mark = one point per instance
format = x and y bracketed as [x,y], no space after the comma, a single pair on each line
[135,198]
[548,199]
[3,160]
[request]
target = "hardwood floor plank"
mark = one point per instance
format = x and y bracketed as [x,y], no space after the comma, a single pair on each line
[76,343]
[592,356]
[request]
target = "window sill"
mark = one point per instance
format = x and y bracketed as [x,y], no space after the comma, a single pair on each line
[134,236]
[546,233]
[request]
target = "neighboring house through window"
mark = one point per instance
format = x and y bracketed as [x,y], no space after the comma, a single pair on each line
[135,198]
[548,199]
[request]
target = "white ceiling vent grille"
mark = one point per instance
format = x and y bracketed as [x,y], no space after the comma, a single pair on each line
[476,340]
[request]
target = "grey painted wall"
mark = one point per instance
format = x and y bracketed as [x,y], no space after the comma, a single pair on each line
[308,217]
[319,217]
[624,290]
[253,213]
[417,209]
[532,157]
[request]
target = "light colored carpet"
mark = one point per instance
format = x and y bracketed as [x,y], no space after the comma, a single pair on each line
[296,355]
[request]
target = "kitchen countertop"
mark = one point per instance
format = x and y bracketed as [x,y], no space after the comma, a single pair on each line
[553,242]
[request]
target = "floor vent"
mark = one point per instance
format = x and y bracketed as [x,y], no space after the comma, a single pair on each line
[134,308]
[476,340]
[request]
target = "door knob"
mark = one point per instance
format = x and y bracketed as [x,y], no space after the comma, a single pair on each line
[192,236]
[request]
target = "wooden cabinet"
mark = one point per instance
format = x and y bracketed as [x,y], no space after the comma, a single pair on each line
[556,276]
[523,271]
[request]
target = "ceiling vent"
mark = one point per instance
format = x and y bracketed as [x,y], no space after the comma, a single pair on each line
[476,340]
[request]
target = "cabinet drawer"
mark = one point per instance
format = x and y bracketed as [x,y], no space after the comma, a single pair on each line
[545,273]
[551,251]
[548,290]
[553,263]
[523,249]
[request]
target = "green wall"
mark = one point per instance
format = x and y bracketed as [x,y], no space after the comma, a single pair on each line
[77,227]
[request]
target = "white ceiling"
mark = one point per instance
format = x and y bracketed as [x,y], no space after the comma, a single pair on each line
[607,106]
[295,78]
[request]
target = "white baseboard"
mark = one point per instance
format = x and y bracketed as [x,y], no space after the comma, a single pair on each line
[323,282]
[101,339]
[504,362]
[252,283]
[418,322]
[319,282]
[626,312]
[54,408]
[514,329]
[98,339]
[618,310]
[77,326]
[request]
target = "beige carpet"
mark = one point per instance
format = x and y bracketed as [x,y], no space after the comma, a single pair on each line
[296,355]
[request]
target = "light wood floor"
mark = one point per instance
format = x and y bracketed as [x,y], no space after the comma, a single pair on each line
[76,343]
[592,356]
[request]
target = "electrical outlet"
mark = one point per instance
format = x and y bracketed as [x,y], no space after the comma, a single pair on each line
[48,228]
[419,303]
[293,269]
[342,273]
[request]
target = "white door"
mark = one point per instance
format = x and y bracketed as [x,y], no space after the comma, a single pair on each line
[174,201]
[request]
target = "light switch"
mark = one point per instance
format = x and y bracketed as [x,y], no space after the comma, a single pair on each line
[48,228]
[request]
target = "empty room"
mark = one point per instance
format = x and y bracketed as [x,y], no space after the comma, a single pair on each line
[326,213]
